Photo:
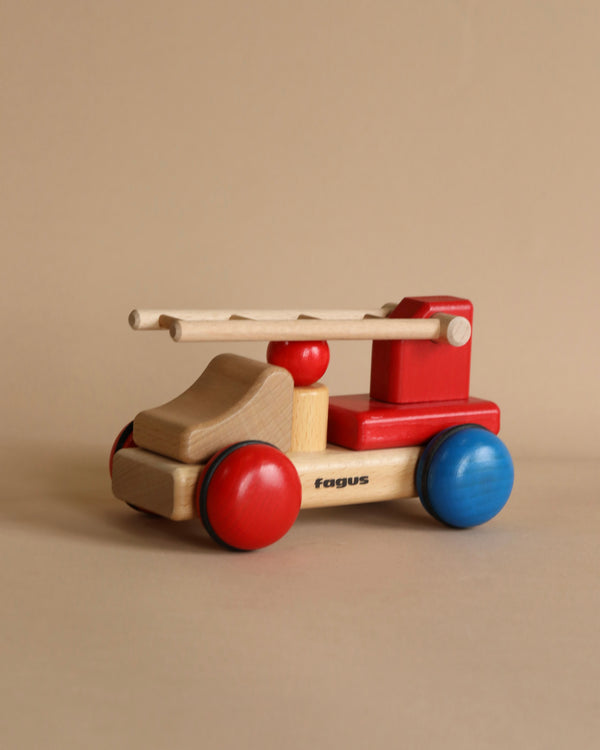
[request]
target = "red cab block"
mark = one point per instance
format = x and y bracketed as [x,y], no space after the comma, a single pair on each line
[404,372]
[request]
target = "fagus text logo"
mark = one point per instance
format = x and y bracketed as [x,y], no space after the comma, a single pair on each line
[340,482]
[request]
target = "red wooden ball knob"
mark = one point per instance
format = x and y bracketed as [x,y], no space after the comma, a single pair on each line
[249,496]
[305,360]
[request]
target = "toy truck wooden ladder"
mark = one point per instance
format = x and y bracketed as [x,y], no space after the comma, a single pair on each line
[300,325]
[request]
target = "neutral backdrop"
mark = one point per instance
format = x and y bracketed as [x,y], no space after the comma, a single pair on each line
[307,154]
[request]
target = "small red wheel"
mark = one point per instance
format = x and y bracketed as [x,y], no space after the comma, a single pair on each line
[123,440]
[248,495]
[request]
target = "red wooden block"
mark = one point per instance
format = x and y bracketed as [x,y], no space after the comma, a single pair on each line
[361,423]
[404,372]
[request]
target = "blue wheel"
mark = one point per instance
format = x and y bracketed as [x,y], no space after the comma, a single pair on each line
[464,476]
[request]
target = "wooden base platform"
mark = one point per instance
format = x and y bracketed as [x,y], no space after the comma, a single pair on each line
[336,476]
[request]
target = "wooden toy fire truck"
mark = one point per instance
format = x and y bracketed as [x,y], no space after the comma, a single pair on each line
[251,443]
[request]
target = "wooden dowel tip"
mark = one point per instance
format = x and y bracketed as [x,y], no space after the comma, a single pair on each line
[458,331]
[175,330]
[135,320]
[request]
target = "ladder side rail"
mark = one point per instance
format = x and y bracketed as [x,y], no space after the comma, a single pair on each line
[150,320]
[455,330]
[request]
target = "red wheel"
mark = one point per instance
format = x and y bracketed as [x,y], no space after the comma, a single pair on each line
[123,440]
[248,496]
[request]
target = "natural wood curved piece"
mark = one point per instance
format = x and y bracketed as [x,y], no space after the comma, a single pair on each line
[234,399]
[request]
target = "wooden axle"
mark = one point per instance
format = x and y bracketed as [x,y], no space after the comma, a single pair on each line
[332,477]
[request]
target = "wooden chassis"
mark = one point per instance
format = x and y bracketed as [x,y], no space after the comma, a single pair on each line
[335,476]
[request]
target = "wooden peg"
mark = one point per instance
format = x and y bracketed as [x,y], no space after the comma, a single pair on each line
[455,329]
[309,418]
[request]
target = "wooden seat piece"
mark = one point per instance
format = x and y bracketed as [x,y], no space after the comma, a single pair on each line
[234,399]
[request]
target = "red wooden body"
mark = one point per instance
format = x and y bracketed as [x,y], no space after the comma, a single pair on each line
[405,372]
[362,423]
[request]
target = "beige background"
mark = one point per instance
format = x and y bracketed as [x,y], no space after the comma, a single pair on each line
[270,154]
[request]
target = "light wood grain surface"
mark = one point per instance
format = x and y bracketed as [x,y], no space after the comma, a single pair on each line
[235,399]
[331,477]
[309,417]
